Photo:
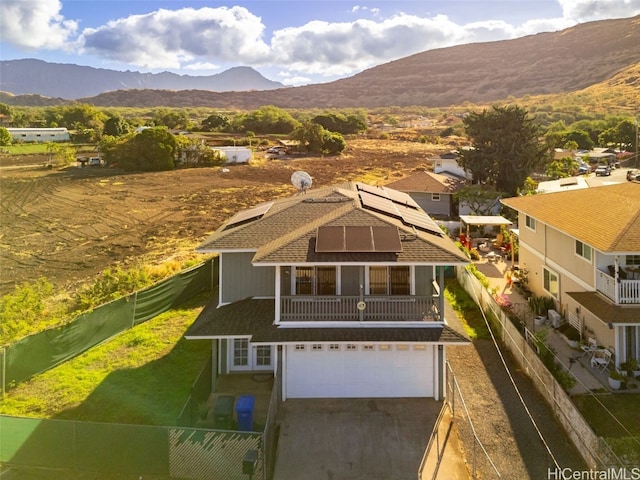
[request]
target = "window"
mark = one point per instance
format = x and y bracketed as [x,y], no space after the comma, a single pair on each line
[351,346]
[300,346]
[633,260]
[334,346]
[315,280]
[550,282]
[389,281]
[316,346]
[240,352]
[583,250]
[263,356]
[435,197]
[402,348]
[367,347]
[530,222]
[385,347]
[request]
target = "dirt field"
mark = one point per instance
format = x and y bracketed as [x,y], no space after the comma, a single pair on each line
[67,225]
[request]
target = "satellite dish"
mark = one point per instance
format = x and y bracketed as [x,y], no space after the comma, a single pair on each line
[301,180]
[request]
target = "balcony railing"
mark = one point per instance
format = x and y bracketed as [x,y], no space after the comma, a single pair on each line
[405,308]
[628,290]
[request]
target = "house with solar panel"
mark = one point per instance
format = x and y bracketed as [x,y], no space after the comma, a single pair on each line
[338,290]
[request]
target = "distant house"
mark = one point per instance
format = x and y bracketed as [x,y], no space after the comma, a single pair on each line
[39,134]
[447,163]
[432,191]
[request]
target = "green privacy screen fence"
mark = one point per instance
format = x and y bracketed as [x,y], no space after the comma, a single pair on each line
[37,353]
[132,450]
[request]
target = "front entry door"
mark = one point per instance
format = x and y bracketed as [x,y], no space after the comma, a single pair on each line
[247,357]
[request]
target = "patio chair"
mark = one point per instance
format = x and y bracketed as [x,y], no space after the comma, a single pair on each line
[601,359]
[498,242]
[590,347]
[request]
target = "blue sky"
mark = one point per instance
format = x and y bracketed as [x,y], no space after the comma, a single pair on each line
[295,42]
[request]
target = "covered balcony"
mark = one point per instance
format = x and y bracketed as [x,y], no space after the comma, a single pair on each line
[625,291]
[382,308]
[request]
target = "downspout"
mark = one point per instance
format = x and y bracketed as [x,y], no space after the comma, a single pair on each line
[278,304]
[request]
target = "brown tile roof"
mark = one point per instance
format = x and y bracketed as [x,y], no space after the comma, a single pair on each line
[605,310]
[425,182]
[607,217]
[286,232]
[254,318]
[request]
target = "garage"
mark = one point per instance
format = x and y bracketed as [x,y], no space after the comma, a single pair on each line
[359,370]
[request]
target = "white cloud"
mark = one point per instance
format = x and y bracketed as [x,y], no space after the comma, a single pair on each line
[201,66]
[588,10]
[35,24]
[169,38]
[296,81]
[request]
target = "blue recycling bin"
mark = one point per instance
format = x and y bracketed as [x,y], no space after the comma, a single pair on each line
[244,412]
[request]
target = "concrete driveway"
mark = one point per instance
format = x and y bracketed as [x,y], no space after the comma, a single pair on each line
[340,439]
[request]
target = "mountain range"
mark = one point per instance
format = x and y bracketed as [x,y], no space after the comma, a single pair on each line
[547,63]
[69,81]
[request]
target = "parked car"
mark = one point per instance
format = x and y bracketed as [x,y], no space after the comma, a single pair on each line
[583,168]
[603,170]
[632,174]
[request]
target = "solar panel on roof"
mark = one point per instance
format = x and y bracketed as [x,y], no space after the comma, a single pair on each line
[419,220]
[249,214]
[402,198]
[363,187]
[357,239]
[378,203]
[386,239]
[330,239]
[390,194]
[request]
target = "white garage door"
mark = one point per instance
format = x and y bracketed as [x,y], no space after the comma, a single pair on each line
[359,371]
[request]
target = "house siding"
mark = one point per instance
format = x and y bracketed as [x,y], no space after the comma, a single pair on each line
[240,279]
[442,207]
[561,250]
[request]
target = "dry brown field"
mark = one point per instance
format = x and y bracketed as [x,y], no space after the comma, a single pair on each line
[70,224]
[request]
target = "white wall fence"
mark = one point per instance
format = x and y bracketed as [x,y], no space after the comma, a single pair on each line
[592,448]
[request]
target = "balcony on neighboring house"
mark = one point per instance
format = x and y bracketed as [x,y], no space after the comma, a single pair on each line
[625,291]
[395,308]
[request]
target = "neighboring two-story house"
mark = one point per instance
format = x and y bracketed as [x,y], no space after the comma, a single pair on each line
[582,247]
[338,290]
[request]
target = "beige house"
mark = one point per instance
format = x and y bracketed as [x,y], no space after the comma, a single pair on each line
[582,247]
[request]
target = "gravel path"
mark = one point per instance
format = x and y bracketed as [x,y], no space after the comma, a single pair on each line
[501,421]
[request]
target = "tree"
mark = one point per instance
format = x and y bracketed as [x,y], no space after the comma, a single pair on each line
[116,126]
[171,118]
[310,135]
[267,119]
[215,121]
[478,198]
[333,143]
[5,137]
[337,122]
[153,149]
[60,155]
[505,147]
[623,136]
[562,168]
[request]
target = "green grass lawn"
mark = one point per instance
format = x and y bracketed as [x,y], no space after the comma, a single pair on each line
[141,376]
[625,407]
